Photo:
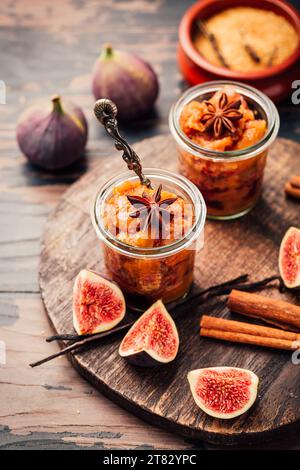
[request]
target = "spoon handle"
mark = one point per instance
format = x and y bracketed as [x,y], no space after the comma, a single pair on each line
[106,111]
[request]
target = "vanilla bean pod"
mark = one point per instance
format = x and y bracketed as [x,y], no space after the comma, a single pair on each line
[67,337]
[213,41]
[254,56]
[226,288]
[250,287]
[213,291]
[230,284]
[272,57]
[253,286]
[79,344]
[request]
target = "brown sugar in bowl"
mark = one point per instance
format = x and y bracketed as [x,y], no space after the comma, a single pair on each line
[275,81]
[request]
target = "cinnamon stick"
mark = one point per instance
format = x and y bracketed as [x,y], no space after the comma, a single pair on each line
[295,181]
[250,339]
[292,191]
[215,323]
[277,312]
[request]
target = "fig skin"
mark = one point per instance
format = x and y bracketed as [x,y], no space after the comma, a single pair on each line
[289,258]
[127,80]
[226,381]
[54,138]
[141,352]
[98,304]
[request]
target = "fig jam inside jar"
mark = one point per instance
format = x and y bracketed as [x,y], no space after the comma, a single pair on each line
[228,168]
[150,259]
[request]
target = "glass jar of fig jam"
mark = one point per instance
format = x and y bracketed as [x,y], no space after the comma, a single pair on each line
[150,235]
[223,131]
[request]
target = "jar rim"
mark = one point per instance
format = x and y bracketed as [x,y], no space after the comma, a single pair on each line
[156,252]
[265,103]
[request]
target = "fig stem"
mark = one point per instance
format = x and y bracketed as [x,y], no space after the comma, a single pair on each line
[107,52]
[57,106]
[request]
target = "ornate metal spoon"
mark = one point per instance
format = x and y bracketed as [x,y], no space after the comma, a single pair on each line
[106,111]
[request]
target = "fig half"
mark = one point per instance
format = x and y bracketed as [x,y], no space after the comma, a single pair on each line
[289,258]
[223,392]
[153,338]
[98,304]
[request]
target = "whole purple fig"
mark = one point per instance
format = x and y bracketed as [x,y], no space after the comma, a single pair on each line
[127,80]
[53,138]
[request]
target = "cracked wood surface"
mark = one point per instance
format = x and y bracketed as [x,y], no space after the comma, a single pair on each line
[48,47]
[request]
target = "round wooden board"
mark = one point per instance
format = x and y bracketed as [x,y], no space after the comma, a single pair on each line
[162,395]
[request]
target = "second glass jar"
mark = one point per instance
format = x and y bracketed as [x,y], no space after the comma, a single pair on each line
[230,181]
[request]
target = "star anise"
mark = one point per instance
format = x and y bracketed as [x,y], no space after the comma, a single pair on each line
[152,211]
[221,118]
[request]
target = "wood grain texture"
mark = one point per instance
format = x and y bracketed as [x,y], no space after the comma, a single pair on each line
[250,245]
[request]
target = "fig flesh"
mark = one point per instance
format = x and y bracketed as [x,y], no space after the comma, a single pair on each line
[153,338]
[289,258]
[53,138]
[127,80]
[223,392]
[98,304]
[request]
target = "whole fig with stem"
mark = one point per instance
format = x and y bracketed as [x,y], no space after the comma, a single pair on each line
[127,80]
[53,138]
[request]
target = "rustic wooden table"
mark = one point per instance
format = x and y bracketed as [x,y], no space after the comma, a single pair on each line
[49,47]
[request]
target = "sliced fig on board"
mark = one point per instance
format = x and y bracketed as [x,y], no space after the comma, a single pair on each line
[223,392]
[289,258]
[98,304]
[152,339]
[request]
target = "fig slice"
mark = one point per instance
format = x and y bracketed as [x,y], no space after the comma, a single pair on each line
[289,258]
[223,392]
[98,304]
[153,338]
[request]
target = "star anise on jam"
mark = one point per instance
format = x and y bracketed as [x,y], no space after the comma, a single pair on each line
[152,211]
[221,118]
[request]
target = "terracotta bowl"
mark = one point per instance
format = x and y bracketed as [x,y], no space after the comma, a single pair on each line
[274,81]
